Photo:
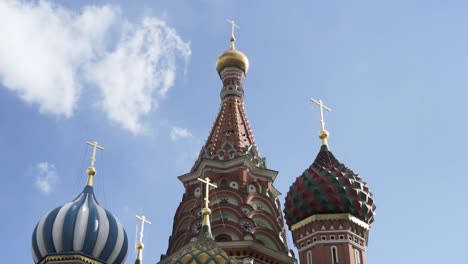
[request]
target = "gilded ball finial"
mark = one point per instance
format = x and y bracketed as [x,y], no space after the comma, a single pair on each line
[323,134]
[91,171]
[140,246]
[206,211]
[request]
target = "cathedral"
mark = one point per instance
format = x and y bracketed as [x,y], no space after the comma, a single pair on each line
[230,211]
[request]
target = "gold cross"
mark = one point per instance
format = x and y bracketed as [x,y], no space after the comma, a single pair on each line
[143,221]
[207,192]
[91,169]
[140,246]
[233,27]
[95,146]
[322,106]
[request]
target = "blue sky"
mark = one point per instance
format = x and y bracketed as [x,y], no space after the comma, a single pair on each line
[139,77]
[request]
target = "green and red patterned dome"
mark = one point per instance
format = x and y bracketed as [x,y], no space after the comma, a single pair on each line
[328,187]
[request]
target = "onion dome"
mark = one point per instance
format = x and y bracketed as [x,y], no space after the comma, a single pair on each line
[328,187]
[203,251]
[232,58]
[81,226]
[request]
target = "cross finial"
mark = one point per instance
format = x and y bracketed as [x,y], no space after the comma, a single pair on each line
[91,169]
[140,245]
[143,222]
[206,210]
[323,135]
[233,28]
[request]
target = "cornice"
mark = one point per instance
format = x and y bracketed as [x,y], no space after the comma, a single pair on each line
[233,245]
[323,217]
[226,166]
[69,257]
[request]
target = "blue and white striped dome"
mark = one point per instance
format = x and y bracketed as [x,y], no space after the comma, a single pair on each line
[81,226]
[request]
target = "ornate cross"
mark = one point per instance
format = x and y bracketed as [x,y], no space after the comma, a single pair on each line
[233,27]
[207,192]
[322,106]
[95,146]
[143,221]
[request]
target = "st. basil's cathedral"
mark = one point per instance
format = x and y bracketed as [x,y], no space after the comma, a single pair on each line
[231,211]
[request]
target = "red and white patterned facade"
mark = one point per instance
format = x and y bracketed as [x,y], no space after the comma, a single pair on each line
[247,220]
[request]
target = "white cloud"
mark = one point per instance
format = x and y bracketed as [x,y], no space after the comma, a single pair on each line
[139,71]
[46,177]
[43,48]
[180,133]
[48,53]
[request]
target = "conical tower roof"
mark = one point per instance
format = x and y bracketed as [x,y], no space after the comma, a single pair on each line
[231,135]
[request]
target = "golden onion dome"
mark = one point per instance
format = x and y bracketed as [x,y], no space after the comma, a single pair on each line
[232,58]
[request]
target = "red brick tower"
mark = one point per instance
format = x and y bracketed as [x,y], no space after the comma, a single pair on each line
[329,210]
[247,222]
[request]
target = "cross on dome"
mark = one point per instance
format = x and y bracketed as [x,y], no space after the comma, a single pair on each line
[140,246]
[206,210]
[323,135]
[91,169]
[207,191]
[233,28]
[143,222]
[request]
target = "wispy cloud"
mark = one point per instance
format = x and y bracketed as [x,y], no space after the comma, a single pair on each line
[179,133]
[48,53]
[139,72]
[46,177]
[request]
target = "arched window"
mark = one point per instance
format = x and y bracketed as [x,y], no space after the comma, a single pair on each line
[309,257]
[223,238]
[357,256]
[334,255]
[223,183]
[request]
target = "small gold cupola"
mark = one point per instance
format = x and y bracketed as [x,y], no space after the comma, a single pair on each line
[232,57]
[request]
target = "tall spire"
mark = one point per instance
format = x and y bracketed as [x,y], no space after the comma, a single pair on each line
[140,245]
[230,159]
[231,136]
[91,169]
[323,134]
